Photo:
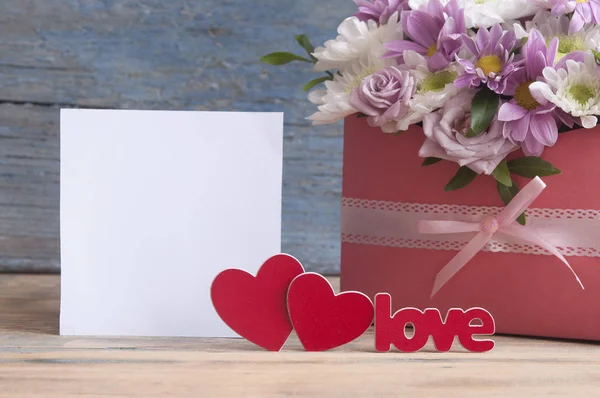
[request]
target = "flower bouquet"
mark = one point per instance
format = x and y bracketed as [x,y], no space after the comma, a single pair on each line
[495,94]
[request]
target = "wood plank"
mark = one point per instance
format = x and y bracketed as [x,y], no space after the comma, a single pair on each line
[35,362]
[153,54]
[29,188]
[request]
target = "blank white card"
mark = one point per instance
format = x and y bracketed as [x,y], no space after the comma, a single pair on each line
[154,204]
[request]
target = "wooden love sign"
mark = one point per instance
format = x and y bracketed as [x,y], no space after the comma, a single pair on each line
[264,309]
[390,330]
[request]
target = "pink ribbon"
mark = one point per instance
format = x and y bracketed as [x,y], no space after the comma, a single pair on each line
[503,223]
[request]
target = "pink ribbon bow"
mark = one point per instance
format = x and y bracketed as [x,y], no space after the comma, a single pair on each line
[503,223]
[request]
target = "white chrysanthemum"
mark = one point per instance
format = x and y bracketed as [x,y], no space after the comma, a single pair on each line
[550,26]
[334,102]
[434,89]
[356,42]
[485,13]
[575,90]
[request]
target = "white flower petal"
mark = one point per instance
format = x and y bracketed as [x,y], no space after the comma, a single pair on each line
[316,96]
[485,13]
[357,40]
[589,121]
[575,90]
[541,92]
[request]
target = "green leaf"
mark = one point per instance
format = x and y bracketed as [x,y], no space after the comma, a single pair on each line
[314,82]
[596,56]
[502,174]
[306,45]
[531,167]
[430,161]
[507,194]
[464,176]
[282,58]
[483,109]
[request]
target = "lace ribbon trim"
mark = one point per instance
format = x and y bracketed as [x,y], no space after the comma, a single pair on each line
[574,232]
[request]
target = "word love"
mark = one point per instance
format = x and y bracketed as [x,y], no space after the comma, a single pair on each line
[282,297]
[392,329]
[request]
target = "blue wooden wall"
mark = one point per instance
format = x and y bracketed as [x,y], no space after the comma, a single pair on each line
[159,54]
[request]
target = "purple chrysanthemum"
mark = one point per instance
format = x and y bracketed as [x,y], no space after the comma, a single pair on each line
[435,31]
[529,121]
[584,11]
[494,60]
[379,10]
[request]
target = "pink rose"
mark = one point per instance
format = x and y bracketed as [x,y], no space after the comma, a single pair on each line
[384,97]
[446,132]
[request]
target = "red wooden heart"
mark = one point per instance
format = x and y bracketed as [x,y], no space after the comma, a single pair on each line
[324,320]
[255,307]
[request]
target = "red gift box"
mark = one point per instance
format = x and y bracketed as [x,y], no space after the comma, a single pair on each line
[386,192]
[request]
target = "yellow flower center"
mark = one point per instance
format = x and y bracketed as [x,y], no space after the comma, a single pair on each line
[437,81]
[566,45]
[431,50]
[582,1]
[489,64]
[581,93]
[524,97]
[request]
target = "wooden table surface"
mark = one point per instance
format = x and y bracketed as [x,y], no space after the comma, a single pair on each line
[36,362]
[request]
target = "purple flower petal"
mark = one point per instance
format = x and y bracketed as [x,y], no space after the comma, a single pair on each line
[576,24]
[482,39]
[514,80]
[397,48]
[544,129]
[419,28]
[565,118]
[577,56]
[470,44]
[463,81]
[551,52]
[535,44]
[379,10]
[559,9]
[595,11]
[495,35]
[434,24]
[521,128]
[437,62]
[457,14]
[585,11]
[531,147]
[510,111]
